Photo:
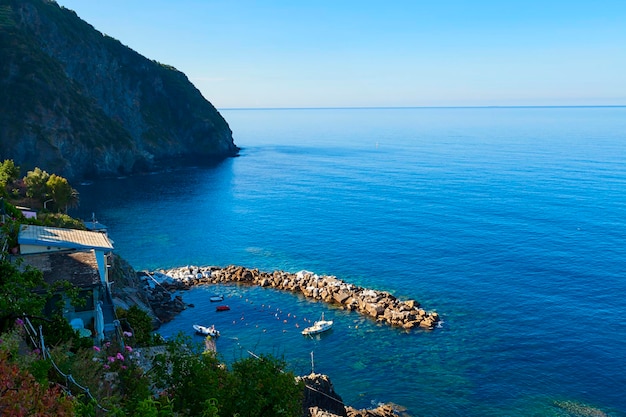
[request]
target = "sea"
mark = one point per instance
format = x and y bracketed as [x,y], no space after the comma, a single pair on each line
[510,222]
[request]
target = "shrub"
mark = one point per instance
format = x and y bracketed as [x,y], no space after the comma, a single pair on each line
[21,394]
[190,377]
[18,296]
[138,323]
[60,220]
[268,390]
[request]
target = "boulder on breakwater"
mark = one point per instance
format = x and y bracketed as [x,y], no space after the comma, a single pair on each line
[380,305]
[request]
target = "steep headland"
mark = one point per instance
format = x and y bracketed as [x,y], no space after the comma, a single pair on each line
[79,103]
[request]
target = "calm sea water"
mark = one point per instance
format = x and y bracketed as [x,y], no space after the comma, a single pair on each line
[510,222]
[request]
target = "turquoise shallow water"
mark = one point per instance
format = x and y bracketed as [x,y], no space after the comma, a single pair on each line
[510,222]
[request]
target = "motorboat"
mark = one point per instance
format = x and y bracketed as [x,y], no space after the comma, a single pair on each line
[319,326]
[222,308]
[206,331]
[216,298]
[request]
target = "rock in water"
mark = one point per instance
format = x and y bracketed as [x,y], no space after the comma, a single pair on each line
[320,397]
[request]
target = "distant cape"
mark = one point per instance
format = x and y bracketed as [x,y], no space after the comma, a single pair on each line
[82,105]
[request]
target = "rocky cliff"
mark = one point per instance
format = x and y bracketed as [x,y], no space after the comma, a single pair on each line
[79,103]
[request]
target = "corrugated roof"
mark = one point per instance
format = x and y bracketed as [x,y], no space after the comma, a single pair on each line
[63,238]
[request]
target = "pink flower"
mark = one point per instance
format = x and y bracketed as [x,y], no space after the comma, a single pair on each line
[128,348]
[96,348]
[120,356]
[123,366]
[19,322]
[111,359]
[37,351]
[106,366]
[107,344]
[127,334]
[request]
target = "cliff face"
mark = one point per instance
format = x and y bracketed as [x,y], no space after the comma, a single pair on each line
[79,103]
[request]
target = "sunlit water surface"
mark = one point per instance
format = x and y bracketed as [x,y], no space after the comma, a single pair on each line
[510,222]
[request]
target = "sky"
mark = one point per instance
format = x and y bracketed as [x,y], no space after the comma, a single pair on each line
[404,53]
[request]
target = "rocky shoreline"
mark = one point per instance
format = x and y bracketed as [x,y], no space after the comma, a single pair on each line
[379,305]
[321,400]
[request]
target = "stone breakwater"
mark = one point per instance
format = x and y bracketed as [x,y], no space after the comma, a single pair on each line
[379,305]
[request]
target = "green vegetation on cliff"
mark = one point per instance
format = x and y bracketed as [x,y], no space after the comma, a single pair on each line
[82,104]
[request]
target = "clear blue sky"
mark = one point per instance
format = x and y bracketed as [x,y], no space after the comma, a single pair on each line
[337,53]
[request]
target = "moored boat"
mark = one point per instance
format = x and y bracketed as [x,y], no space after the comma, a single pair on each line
[206,331]
[319,326]
[222,308]
[215,298]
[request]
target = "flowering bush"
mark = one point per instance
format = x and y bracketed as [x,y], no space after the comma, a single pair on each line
[141,324]
[111,357]
[123,377]
[25,389]
[22,395]
[110,374]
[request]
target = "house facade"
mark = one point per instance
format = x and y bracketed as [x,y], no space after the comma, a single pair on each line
[79,257]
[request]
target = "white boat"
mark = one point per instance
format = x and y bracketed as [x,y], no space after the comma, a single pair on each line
[215,298]
[318,327]
[206,331]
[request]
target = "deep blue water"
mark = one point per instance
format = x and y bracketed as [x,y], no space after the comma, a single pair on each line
[510,222]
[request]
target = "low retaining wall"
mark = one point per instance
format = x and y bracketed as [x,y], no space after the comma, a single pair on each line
[380,305]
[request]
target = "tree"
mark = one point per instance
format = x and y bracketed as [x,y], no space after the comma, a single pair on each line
[190,377]
[41,186]
[9,173]
[17,289]
[35,182]
[60,190]
[268,390]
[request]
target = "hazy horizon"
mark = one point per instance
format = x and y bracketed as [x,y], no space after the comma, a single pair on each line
[281,54]
[420,107]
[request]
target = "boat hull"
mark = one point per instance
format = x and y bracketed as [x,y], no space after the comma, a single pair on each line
[318,327]
[206,331]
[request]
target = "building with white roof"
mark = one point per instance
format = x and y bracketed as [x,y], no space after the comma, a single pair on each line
[79,257]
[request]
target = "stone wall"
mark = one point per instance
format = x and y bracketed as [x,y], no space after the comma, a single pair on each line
[380,305]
